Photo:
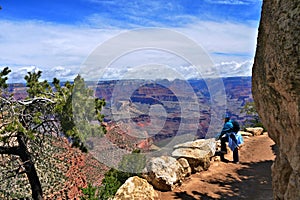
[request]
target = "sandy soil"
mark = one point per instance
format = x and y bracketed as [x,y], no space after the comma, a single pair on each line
[250,179]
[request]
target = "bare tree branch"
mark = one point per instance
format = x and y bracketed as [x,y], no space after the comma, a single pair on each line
[35,100]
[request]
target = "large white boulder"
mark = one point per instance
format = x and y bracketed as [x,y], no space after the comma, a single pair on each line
[255,131]
[197,153]
[164,173]
[186,166]
[136,188]
[245,133]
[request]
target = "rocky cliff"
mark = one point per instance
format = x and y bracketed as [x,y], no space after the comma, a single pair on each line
[276,90]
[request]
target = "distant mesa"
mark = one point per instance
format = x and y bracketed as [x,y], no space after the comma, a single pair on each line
[135,107]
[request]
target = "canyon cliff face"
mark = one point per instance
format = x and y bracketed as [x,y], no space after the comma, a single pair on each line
[276,90]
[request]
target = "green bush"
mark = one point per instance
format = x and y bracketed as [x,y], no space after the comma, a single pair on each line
[90,193]
[112,182]
[131,165]
[249,109]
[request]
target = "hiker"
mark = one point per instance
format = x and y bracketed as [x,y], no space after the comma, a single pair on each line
[230,134]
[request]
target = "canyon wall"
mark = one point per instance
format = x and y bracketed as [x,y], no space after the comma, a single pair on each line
[276,90]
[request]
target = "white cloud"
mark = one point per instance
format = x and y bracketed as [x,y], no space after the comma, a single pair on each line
[233,68]
[63,73]
[44,44]
[17,75]
[59,50]
[227,38]
[48,46]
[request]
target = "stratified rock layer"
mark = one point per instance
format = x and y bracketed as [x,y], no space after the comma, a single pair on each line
[276,90]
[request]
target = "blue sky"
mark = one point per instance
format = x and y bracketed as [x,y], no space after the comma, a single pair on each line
[56,36]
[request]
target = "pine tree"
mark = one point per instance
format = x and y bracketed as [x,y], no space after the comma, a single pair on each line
[68,110]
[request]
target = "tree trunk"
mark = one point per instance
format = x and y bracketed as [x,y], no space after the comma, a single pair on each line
[36,188]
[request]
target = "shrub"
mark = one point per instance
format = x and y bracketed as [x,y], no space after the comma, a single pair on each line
[112,182]
[90,193]
[131,165]
[249,109]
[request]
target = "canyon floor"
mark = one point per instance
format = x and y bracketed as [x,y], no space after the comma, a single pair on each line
[250,179]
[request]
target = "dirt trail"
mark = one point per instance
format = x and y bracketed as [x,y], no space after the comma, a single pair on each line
[251,179]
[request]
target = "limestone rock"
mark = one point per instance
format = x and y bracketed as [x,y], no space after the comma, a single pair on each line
[164,173]
[186,167]
[276,90]
[197,153]
[255,131]
[136,188]
[202,144]
[244,133]
[199,160]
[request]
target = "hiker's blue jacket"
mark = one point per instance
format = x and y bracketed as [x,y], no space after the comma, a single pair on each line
[232,143]
[235,143]
[227,128]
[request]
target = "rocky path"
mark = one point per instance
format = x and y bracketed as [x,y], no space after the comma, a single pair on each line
[251,179]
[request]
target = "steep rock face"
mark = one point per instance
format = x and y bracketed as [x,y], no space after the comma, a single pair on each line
[276,90]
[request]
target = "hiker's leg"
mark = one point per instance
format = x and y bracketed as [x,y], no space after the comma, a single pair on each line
[236,155]
[236,150]
[223,144]
[223,148]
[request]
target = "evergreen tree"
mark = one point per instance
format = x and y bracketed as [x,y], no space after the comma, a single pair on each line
[250,110]
[66,111]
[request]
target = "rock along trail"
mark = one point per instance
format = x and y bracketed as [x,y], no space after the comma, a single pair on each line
[251,179]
